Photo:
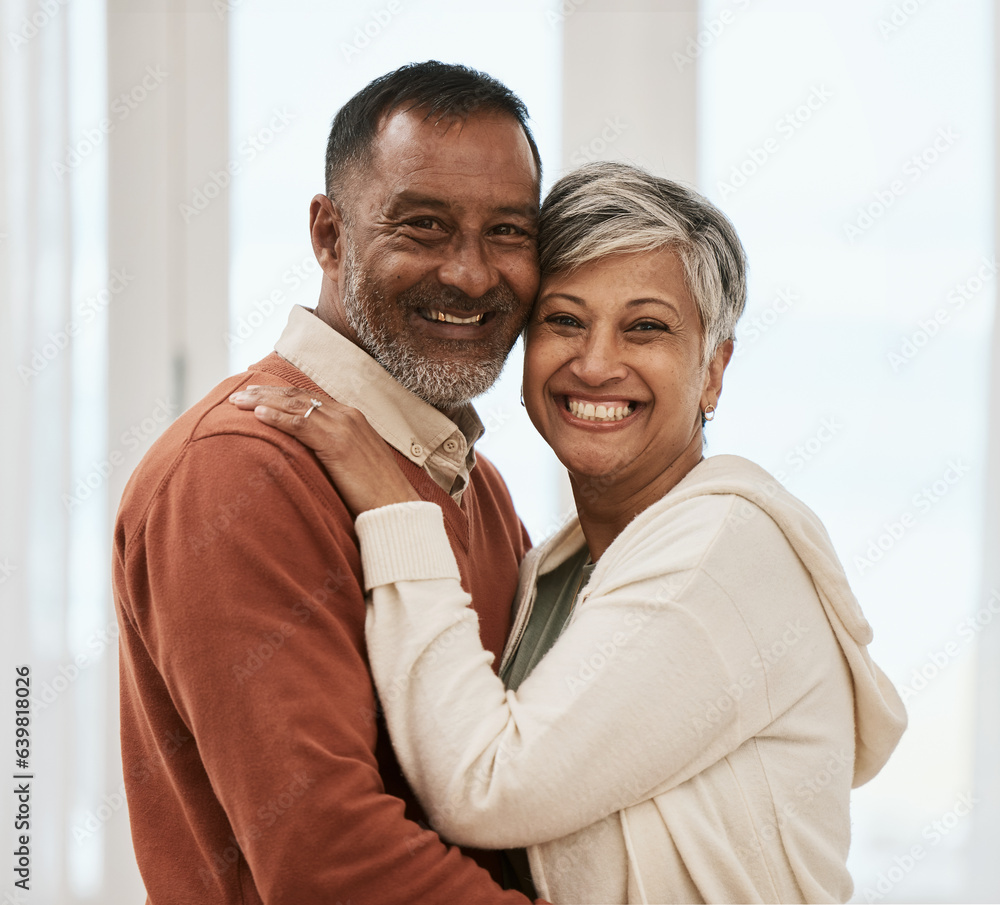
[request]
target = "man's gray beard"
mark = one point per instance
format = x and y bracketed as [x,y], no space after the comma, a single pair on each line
[441,383]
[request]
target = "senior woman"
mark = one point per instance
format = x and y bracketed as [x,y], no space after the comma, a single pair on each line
[686,697]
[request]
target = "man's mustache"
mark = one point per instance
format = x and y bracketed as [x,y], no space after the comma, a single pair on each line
[500,299]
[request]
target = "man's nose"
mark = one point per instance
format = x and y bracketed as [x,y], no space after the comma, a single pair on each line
[468,269]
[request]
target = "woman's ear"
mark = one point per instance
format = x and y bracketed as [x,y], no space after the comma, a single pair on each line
[326,226]
[713,376]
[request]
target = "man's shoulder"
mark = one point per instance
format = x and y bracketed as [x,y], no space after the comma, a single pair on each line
[210,440]
[215,415]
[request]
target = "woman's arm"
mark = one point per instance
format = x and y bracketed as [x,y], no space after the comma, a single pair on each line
[624,702]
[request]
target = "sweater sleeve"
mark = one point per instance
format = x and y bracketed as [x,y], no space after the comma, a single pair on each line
[243,625]
[626,700]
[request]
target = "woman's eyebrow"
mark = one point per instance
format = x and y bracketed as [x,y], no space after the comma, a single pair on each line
[563,295]
[654,300]
[645,300]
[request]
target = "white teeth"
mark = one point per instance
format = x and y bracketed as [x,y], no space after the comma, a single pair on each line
[451,319]
[587,411]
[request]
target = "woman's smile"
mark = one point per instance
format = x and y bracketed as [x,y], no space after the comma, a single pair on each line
[598,411]
[613,372]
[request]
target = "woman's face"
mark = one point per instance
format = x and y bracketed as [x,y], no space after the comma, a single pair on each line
[613,378]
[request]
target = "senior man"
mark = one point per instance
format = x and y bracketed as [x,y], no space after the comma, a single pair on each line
[256,763]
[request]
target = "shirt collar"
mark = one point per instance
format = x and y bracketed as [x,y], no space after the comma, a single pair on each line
[442,446]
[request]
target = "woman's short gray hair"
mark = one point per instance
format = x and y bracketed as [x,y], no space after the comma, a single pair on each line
[605,209]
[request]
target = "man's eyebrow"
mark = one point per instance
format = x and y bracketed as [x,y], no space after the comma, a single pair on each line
[408,198]
[527,210]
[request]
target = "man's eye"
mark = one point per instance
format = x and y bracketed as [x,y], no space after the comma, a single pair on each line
[507,229]
[424,223]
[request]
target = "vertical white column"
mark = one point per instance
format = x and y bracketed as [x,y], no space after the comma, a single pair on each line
[984,870]
[168,203]
[15,344]
[168,217]
[627,94]
[37,251]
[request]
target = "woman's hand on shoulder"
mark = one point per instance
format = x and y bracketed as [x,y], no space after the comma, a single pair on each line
[359,461]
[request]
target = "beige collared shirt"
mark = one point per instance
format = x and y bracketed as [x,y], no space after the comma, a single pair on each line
[441,446]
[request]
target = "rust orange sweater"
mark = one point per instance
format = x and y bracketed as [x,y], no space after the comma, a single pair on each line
[256,762]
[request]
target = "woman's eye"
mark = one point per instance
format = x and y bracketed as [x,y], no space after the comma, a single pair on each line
[562,320]
[649,327]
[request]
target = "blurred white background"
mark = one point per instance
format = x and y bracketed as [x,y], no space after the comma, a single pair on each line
[156,165]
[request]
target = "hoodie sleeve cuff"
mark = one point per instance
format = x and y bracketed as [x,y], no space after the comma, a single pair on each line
[404,542]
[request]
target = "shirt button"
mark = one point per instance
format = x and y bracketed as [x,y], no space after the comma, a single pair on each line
[450,445]
[416,450]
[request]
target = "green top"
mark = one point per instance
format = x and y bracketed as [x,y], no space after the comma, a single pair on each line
[554,601]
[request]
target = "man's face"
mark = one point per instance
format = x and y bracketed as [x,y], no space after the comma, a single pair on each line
[441,267]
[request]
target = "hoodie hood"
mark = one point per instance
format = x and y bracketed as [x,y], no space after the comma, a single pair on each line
[879,714]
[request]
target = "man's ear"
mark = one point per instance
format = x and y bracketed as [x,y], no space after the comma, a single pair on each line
[326,226]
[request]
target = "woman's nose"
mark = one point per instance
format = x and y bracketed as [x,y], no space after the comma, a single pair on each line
[600,361]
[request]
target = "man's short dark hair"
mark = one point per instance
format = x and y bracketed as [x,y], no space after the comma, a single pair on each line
[444,89]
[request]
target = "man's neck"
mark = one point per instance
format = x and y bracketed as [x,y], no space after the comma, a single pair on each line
[331,312]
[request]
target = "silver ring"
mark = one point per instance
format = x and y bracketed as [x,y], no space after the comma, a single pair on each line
[315,405]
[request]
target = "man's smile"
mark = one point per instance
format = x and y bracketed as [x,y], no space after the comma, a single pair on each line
[437,315]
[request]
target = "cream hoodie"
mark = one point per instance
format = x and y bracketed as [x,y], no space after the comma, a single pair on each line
[694,733]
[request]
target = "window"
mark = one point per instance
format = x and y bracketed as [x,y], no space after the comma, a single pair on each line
[851,145]
[279,124]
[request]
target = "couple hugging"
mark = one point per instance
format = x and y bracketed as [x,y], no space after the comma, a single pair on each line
[667,701]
